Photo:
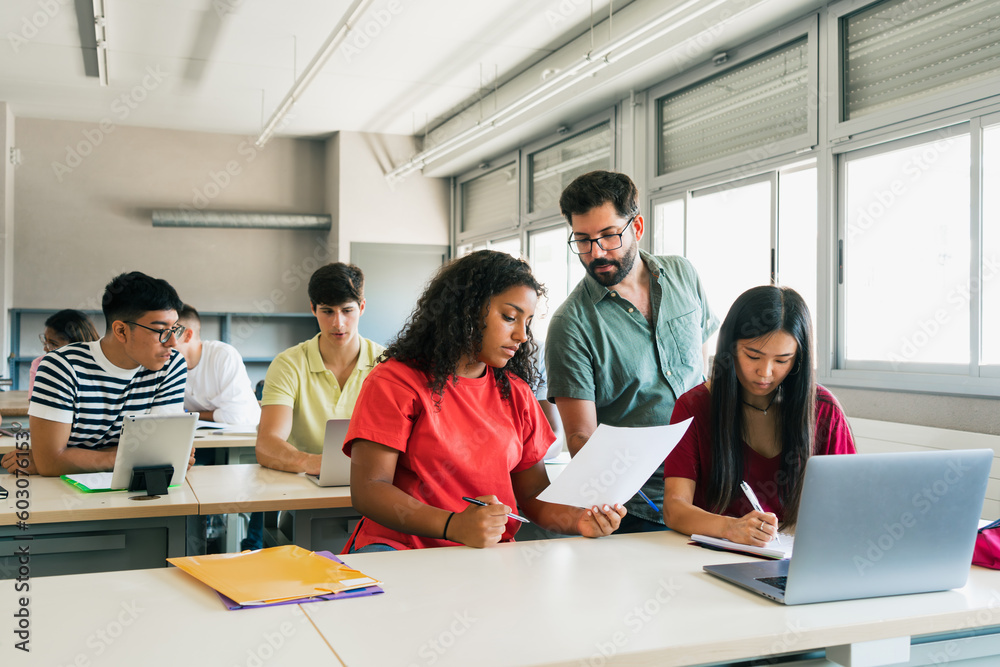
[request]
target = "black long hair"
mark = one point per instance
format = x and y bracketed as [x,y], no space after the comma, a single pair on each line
[758,313]
[449,318]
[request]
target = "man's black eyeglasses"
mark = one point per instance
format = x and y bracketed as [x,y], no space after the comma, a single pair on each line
[608,242]
[164,334]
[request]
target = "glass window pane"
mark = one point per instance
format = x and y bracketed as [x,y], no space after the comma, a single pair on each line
[550,263]
[668,228]
[906,265]
[729,242]
[991,246]
[554,168]
[743,111]
[509,246]
[490,201]
[899,51]
[798,233]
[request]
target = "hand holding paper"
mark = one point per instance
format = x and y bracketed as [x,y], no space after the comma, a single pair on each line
[613,465]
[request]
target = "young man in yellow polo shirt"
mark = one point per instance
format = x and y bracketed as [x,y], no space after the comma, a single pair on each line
[317,380]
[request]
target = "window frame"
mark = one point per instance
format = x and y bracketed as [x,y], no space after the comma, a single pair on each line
[973,379]
[562,134]
[484,169]
[841,129]
[808,28]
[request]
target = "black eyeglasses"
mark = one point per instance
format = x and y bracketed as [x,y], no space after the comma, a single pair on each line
[608,242]
[164,334]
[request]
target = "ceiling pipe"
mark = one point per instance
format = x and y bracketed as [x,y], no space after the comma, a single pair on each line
[591,63]
[350,18]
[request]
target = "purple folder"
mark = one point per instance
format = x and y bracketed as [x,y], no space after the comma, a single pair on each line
[354,593]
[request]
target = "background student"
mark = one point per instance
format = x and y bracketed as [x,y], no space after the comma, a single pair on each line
[83,390]
[62,328]
[218,386]
[450,413]
[759,418]
[315,381]
[319,379]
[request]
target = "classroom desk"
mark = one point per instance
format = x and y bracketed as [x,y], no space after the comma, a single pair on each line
[229,447]
[622,600]
[321,514]
[13,404]
[154,618]
[73,531]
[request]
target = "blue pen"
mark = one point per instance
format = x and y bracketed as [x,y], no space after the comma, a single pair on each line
[650,502]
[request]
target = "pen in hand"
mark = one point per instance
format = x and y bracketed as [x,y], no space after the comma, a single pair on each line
[648,501]
[516,517]
[752,497]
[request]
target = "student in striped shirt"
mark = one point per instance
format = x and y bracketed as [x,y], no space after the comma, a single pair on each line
[83,390]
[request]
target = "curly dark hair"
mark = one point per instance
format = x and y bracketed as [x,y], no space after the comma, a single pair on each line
[449,319]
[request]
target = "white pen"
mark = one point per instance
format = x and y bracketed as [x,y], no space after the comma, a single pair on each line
[752,497]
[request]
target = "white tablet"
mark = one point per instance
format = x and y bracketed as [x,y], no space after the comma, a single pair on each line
[154,440]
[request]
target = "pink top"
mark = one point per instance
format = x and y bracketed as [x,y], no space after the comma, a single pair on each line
[692,457]
[31,373]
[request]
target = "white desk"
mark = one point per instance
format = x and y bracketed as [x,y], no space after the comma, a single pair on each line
[159,618]
[320,517]
[642,599]
[74,531]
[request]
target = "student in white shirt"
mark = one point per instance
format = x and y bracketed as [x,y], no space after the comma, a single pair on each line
[218,386]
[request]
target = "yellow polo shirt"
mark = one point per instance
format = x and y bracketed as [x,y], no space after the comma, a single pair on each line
[297,378]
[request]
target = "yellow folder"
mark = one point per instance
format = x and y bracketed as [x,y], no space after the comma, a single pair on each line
[272,575]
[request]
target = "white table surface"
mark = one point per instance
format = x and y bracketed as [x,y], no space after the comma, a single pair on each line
[642,598]
[153,618]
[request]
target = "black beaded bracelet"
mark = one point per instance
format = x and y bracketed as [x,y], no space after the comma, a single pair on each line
[445,536]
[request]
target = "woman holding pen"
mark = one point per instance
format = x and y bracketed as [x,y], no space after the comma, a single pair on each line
[449,413]
[757,420]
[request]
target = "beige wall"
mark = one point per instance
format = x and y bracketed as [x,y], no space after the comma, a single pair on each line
[414,210]
[81,220]
[978,415]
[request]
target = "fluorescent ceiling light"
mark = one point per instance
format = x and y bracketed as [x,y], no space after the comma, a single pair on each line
[558,82]
[341,31]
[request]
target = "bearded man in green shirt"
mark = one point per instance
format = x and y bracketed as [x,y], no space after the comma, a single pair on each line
[630,338]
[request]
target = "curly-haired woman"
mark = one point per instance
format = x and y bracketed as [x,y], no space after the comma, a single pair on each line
[449,414]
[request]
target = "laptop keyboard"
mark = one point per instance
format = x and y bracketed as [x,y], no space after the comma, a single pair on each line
[777,582]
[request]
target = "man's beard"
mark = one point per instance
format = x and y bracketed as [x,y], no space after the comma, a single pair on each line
[622,268]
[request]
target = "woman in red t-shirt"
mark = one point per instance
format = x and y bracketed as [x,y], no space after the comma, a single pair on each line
[449,413]
[757,419]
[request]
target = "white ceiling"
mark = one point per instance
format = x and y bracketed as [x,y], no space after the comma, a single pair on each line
[224,65]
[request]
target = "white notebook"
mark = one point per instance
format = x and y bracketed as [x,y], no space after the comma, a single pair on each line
[774,549]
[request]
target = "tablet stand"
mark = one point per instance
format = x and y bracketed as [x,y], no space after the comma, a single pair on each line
[151,479]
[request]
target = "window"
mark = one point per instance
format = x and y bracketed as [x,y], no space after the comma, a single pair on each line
[555,167]
[489,200]
[727,230]
[556,267]
[907,253]
[990,266]
[754,103]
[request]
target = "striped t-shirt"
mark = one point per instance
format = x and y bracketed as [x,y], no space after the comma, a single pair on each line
[78,385]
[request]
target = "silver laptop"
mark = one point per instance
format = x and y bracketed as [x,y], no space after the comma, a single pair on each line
[336,467]
[872,525]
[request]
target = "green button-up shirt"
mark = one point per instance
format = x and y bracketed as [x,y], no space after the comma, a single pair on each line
[600,348]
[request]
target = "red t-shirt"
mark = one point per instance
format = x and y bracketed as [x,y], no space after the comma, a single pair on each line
[467,448]
[692,457]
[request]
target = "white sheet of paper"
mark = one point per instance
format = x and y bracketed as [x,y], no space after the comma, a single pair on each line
[613,465]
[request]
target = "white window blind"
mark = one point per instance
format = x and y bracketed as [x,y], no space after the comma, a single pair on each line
[899,51]
[754,105]
[490,201]
[555,167]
